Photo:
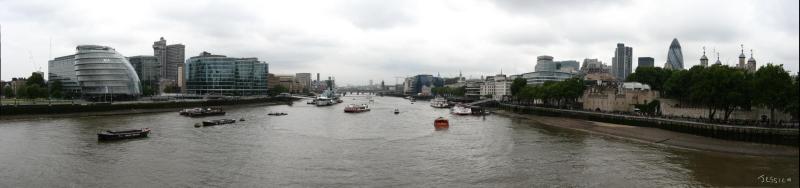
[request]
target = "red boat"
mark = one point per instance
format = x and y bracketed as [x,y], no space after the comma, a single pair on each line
[441,123]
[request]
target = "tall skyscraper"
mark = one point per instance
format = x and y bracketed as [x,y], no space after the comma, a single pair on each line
[170,57]
[674,56]
[646,62]
[621,62]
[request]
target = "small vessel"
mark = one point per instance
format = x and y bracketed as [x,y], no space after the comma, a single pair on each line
[123,134]
[202,112]
[396,111]
[323,101]
[218,122]
[352,108]
[277,114]
[441,123]
[439,102]
[461,109]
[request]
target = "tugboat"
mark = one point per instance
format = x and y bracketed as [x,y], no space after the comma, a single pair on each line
[439,102]
[352,108]
[441,124]
[122,134]
[218,122]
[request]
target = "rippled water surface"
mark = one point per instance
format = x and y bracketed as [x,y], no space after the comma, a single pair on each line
[322,146]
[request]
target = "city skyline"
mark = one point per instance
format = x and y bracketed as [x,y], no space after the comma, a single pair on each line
[360,40]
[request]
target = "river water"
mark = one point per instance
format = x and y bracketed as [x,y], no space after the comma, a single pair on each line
[322,146]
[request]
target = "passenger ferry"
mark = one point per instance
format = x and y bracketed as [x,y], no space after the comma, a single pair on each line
[352,108]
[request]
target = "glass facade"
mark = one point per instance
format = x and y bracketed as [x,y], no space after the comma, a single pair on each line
[104,73]
[675,56]
[540,77]
[63,69]
[209,74]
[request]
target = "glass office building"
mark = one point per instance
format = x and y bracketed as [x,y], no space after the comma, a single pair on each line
[104,74]
[63,69]
[674,56]
[209,74]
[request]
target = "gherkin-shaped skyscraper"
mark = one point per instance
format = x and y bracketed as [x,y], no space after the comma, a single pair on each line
[674,56]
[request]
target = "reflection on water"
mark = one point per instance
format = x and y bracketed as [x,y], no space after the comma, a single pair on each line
[322,146]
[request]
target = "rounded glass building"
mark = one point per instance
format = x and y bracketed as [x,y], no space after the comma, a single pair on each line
[104,74]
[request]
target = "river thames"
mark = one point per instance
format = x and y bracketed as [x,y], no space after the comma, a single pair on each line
[322,146]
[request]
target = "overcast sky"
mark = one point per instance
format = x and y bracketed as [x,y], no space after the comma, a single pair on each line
[359,40]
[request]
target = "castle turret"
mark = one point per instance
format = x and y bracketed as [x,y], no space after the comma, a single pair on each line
[751,63]
[741,64]
[704,59]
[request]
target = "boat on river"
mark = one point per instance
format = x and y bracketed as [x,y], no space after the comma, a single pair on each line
[123,134]
[352,108]
[441,123]
[439,102]
[218,122]
[396,111]
[461,109]
[202,112]
[277,114]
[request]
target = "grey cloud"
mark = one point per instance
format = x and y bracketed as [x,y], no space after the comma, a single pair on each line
[546,7]
[367,14]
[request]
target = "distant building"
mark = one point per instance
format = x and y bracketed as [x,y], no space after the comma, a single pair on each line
[304,82]
[289,82]
[63,69]
[170,57]
[593,65]
[208,74]
[646,62]
[472,88]
[621,62]
[415,85]
[615,97]
[674,56]
[148,69]
[497,86]
[548,70]
[103,74]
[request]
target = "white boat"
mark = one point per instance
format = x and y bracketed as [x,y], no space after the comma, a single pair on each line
[352,108]
[324,101]
[461,109]
[439,102]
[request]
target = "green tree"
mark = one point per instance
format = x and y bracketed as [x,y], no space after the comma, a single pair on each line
[773,84]
[278,89]
[676,86]
[8,92]
[35,91]
[517,85]
[35,79]
[793,107]
[656,77]
[55,89]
